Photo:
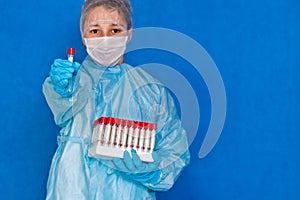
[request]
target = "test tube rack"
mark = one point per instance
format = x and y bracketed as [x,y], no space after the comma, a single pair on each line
[112,136]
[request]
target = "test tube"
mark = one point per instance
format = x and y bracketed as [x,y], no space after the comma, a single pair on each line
[147,138]
[143,127]
[119,132]
[124,133]
[107,132]
[113,131]
[71,53]
[136,134]
[130,134]
[153,134]
[98,130]
[101,129]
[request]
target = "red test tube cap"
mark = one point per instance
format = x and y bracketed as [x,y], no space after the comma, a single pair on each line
[124,122]
[140,125]
[130,123]
[144,125]
[152,126]
[118,121]
[71,51]
[113,121]
[107,120]
[101,120]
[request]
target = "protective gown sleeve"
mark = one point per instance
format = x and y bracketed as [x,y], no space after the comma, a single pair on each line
[171,144]
[60,107]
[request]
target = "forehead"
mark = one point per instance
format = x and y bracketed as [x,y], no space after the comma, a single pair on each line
[104,14]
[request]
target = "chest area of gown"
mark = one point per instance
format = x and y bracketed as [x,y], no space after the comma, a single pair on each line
[123,97]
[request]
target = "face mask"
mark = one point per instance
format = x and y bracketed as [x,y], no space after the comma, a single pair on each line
[106,51]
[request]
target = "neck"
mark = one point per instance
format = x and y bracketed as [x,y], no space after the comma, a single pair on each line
[121,61]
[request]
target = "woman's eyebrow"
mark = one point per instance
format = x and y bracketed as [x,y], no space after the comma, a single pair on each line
[94,25]
[118,25]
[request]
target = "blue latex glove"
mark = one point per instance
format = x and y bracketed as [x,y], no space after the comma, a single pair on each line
[60,74]
[137,170]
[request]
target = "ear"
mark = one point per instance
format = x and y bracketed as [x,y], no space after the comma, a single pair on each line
[129,35]
[83,41]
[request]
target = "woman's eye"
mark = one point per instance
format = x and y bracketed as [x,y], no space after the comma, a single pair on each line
[116,31]
[94,31]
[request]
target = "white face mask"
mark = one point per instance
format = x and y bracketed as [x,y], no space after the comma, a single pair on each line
[106,51]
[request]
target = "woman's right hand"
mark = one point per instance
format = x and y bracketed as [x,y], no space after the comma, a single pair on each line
[60,74]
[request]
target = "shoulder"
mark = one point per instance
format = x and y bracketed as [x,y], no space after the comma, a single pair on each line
[139,74]
[145,82]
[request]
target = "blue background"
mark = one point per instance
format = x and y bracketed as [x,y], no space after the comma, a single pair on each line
[255,45]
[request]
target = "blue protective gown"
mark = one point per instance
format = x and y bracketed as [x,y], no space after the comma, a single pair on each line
[122,92]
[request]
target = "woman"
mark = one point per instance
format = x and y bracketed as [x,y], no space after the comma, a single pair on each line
[104,86]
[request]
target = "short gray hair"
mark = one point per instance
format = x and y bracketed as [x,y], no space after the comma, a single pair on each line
[122,6]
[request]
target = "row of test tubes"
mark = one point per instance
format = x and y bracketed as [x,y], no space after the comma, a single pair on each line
[113,134]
